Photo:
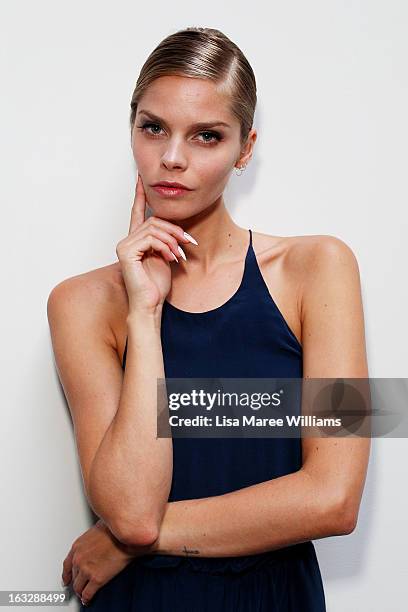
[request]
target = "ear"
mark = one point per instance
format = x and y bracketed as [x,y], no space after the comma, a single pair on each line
[247,149]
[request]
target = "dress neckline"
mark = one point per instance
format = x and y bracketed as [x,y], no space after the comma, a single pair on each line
[217,310]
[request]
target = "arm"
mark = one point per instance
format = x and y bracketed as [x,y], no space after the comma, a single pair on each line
[126,470]
[323,497]
[263,517]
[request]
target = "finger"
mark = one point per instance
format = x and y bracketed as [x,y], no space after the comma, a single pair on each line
[67,568]
[137,216]
[172,228]
[151,242]
[75,572]
[89,591]
[164,236]
[79,584]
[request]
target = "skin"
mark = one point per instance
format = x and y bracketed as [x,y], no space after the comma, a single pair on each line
[314,281]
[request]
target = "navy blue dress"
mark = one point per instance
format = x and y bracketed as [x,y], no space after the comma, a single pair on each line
[245,337]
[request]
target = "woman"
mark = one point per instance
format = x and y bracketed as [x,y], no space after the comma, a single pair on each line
[194,523]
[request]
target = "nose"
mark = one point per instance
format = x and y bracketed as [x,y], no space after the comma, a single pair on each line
[173,157]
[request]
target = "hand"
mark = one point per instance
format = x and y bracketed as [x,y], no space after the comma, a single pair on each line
[145,255]
[94,559]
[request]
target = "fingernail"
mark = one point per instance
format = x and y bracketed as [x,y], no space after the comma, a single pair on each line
[182,253]
[190,238]
[174,257]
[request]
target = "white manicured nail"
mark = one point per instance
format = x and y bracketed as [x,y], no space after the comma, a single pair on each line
[182,253]
[174,256]
[190,238]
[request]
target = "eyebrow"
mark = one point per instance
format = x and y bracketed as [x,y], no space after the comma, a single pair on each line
[201,125]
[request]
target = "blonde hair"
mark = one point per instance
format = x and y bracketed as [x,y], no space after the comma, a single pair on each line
[203,53]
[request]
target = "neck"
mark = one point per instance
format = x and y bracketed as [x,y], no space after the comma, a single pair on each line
[219,239]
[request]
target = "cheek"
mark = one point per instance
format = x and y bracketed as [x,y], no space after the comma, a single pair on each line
[216,169]
[143,156]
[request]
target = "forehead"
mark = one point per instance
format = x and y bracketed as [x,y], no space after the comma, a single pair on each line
[188,99]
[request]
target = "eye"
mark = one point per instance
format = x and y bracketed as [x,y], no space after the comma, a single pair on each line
[214,137]
[145,126]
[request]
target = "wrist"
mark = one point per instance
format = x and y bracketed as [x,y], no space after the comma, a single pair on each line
[137,320]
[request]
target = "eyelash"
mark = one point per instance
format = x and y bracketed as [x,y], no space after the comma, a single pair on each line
[215,135]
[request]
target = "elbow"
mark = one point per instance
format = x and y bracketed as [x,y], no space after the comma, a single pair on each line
[131,531]
[344,516]
[135,533]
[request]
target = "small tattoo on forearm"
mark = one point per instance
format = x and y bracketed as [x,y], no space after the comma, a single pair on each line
[193,552]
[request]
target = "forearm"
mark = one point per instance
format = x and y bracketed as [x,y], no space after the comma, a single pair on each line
[131,473]
[266,516]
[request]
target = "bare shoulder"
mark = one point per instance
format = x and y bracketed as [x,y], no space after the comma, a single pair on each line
[96,297]
[300,257]
[301,252]
[295,267]
[320,248]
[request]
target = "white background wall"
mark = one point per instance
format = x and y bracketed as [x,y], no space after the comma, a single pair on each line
[331,158]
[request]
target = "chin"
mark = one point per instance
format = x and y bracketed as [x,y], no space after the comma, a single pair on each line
[174,214]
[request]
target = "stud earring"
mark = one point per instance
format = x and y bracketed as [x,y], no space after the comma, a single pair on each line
[240,168]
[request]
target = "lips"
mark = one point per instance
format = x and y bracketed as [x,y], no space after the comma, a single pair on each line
[169,191]
[171,185]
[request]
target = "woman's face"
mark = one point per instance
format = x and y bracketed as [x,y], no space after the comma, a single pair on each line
[168,145]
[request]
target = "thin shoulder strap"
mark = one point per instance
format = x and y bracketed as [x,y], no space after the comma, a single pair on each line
[124,354]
